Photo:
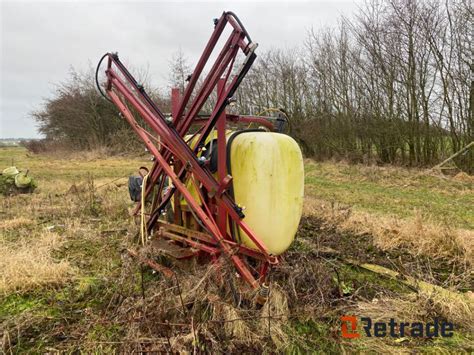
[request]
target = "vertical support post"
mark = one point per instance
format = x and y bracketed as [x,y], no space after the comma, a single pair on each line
[221,157]
[177,213]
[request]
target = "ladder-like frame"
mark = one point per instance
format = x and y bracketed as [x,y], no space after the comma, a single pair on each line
[215,210]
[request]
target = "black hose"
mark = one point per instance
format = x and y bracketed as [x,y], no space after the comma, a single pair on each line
[240,24]
[97,77]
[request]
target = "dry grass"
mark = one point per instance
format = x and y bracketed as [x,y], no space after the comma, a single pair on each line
[98,153]
[202,314]
[459,310]
[417,235]
[15,223]
[233,325]
[463,177]
[276,306]
[29,263]
[427,304]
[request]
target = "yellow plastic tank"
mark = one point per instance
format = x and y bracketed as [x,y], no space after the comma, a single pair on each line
[268,179]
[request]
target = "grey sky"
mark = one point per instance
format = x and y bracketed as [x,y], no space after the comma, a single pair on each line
[41,41]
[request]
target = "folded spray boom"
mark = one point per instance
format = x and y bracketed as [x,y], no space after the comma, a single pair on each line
[204,213]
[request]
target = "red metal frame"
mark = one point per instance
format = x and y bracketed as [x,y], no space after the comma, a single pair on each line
[215,208]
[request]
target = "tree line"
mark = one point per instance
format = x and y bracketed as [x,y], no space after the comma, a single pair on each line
[391,84]
[394,84]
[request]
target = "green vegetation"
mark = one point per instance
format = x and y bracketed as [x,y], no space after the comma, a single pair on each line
[394,191]
[66,286]
[309,335]
[54,168]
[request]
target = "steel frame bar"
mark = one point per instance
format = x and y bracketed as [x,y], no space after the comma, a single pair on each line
[211,251]
[221,158]
[206,130]
[155,171]
[206,238]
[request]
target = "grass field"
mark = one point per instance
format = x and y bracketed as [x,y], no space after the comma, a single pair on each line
[399,192]
[66,285]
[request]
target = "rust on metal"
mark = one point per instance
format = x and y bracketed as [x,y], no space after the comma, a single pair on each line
[168,273]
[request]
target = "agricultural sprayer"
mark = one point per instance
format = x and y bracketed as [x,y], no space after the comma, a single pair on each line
[216,188]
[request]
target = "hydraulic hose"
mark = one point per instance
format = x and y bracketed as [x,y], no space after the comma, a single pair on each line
[240,24]
[97,76]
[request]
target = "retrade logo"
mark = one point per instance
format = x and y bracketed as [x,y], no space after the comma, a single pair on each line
[395,329]
[353,327]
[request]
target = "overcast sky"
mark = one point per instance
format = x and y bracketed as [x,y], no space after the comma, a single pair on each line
[41,41]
